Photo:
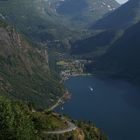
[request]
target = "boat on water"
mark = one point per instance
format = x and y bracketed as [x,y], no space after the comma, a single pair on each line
[62,108]
[91,89]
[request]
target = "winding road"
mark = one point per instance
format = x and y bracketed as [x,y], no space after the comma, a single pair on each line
[71,127]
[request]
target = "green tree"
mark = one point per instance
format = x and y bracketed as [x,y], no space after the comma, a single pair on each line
[15,122]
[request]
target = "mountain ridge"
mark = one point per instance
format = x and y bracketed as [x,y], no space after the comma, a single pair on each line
[42,20]
[123,17]
[85,11]
[122,59]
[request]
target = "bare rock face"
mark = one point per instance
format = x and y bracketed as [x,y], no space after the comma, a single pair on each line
[24,71]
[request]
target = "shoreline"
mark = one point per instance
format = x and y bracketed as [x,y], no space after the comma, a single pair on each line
[60,101]
[67,95]
[75,75]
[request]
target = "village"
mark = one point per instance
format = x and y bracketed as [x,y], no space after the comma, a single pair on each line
[71,68]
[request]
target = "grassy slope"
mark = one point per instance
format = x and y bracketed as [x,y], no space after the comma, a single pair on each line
[18,122]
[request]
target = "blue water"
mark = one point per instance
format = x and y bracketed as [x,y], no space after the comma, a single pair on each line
[114,105]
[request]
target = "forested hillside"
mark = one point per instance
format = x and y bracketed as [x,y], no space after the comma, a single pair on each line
[24,70]
[114,51]
[122,59]
[19,122]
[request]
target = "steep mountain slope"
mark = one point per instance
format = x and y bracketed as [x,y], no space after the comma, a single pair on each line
[122,17]
[122,59]
[34,18]
[115,51]
[24,71]
[95,44]
[83,12]
[111,27]
[50,20]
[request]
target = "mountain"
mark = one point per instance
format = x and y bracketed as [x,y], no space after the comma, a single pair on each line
[95,44]
[114,51]
[46,21]
[122,59]
[123,17]
[83,12]
[24,70]
[108,29]
[35,19]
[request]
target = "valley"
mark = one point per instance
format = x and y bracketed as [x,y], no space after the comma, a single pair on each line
[93,45]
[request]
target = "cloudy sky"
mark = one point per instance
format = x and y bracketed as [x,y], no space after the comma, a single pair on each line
[122,1]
